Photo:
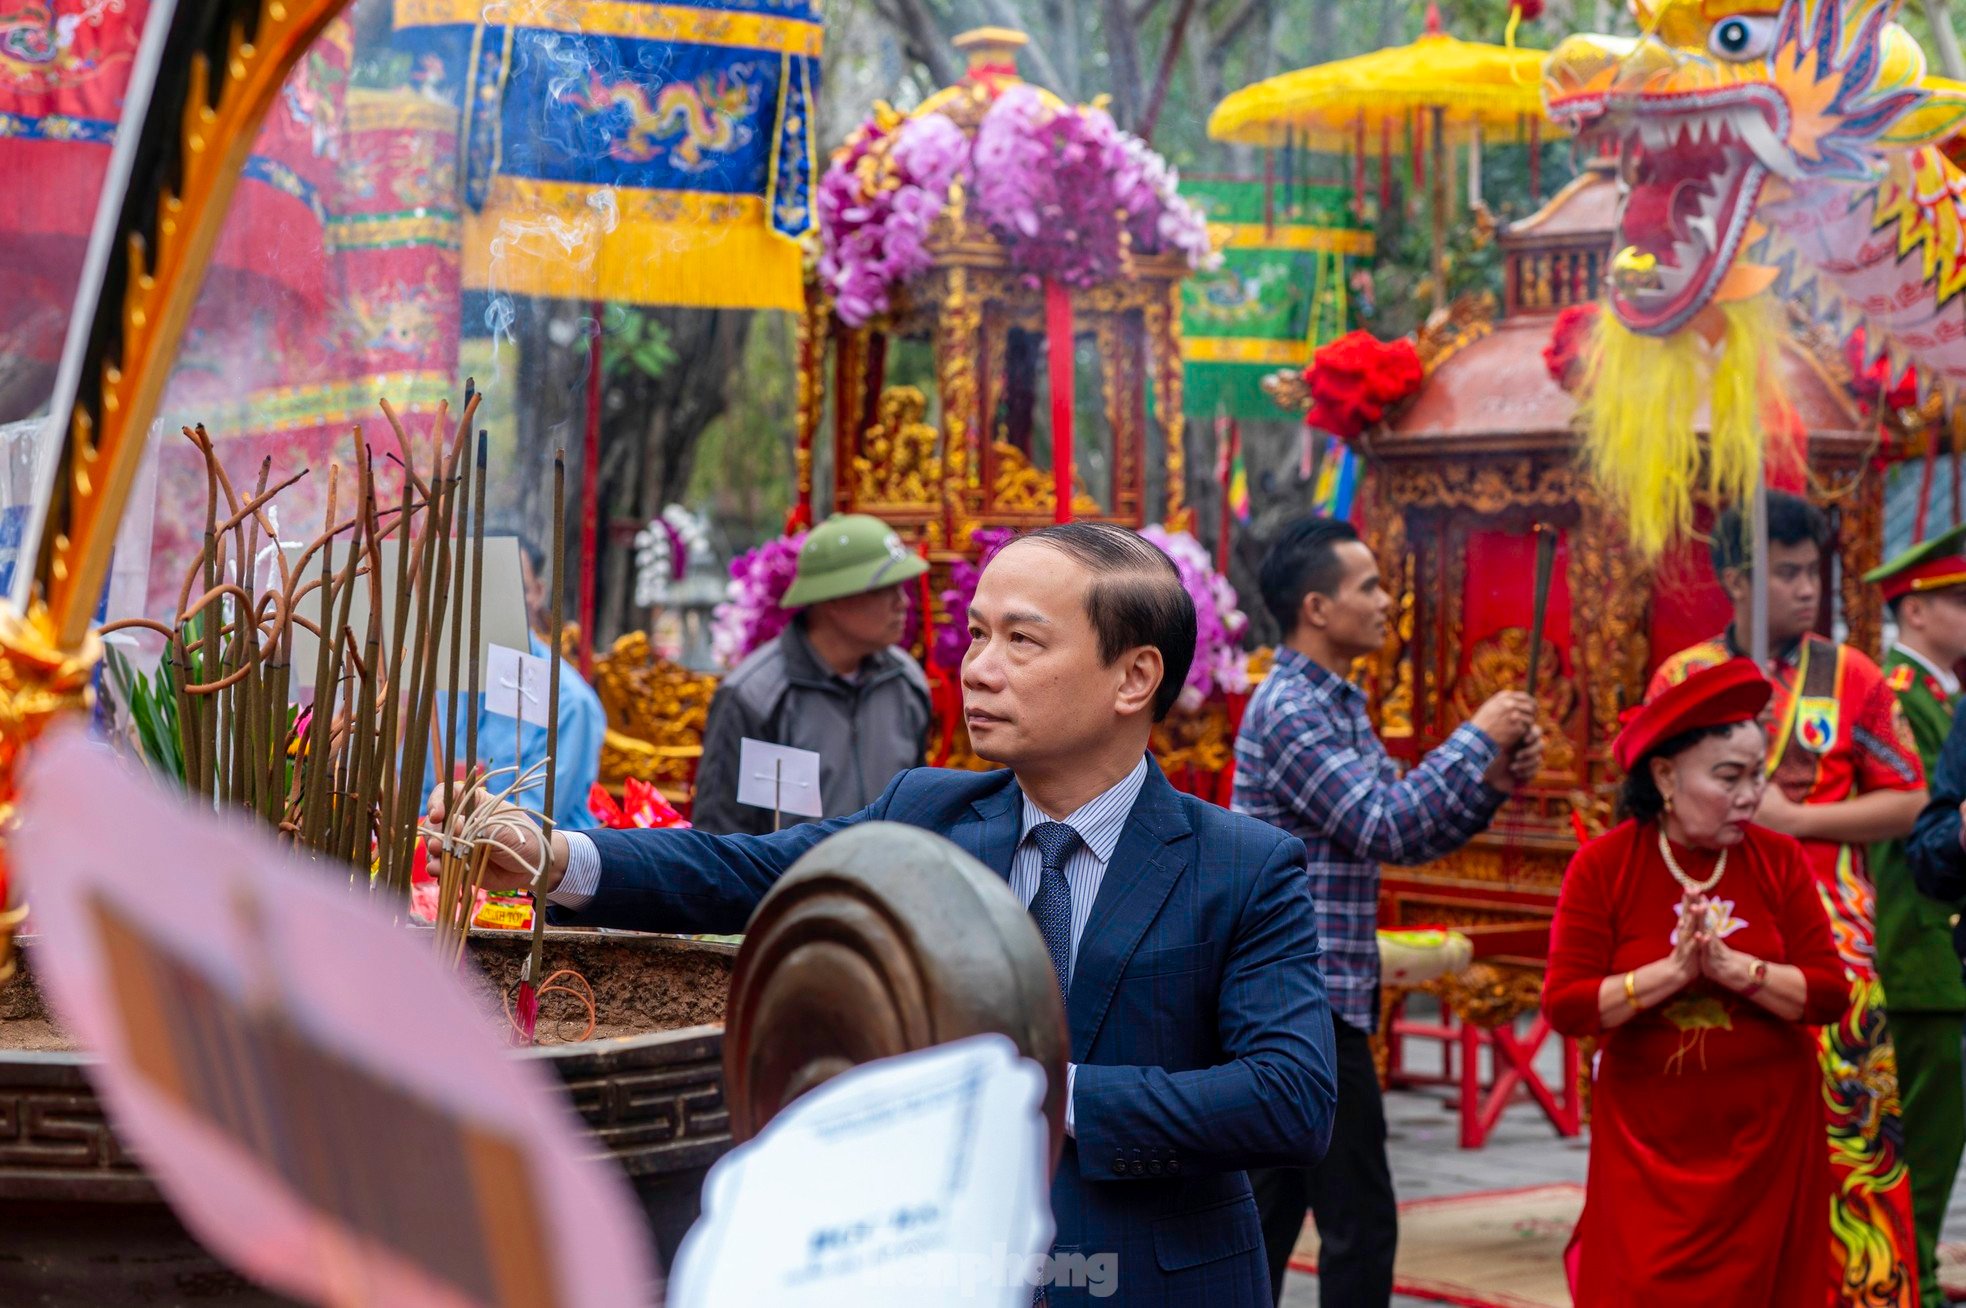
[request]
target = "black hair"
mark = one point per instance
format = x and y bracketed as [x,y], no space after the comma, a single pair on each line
[1894,604]
[1303,560]
[1639,797]
[1792,520]
[535,554]
[1136,598]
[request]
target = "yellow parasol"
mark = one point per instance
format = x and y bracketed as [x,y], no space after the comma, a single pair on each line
[1478,90]
[1447,92]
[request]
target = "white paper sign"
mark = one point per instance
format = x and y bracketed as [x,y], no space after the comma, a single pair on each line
[778,777]
[518,685]
[252,1045]
[908,1181]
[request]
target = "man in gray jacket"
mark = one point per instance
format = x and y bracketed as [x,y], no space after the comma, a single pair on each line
[834,682]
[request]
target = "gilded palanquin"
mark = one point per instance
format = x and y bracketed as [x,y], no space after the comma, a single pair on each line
[1458,483]
[970,452]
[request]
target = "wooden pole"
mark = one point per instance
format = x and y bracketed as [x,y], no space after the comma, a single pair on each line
[1440,180]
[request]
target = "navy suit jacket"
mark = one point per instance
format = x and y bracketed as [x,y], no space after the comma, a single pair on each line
[1197,1012]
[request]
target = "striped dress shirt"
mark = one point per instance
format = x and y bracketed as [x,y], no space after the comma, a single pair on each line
[1099,823]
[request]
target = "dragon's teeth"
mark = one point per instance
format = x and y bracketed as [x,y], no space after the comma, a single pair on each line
[1758,137]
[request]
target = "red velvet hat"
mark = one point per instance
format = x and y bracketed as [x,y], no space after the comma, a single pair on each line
[1719,696]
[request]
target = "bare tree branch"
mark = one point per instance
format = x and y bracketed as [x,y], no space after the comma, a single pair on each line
[1169,53]
[1123,52]
[921,37]
[1231,30]
[1062,23]
[1005,13]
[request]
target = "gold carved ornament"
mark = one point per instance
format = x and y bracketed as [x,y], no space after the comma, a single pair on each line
[1163,320]
[1020,488]
[1449,331]
[898,465]
[656,711]
[957,332]
[196,137]
[1200,740]
[1858,496]
[1499,662]
[1485,488]
[39,682]
[811,393]
[1489,995]
[1389,672]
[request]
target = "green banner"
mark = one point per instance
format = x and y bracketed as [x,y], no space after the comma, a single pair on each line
[1281,289]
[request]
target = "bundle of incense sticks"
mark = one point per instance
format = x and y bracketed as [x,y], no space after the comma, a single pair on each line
[345,780]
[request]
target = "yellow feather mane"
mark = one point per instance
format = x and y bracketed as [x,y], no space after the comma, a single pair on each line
[1640,412]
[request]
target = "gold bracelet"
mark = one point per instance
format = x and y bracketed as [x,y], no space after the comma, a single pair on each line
[1631,990]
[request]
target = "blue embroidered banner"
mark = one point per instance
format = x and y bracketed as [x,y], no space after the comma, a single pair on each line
[624,150]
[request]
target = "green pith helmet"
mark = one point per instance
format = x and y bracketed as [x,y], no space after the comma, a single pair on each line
[850,554]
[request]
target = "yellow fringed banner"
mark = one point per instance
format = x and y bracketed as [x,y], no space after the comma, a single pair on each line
[1641,411]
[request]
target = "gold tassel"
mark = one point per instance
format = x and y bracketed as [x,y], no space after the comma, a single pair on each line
[1641,399]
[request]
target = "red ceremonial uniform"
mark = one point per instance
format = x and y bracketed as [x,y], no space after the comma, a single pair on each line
[1835,730]
[1707,1172]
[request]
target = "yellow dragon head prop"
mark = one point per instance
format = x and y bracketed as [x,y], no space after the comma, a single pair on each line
[1728,118]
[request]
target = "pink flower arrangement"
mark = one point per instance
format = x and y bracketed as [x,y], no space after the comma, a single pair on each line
[876,203]
[751,614]
[1070,195]
[1219,662]
[952,636]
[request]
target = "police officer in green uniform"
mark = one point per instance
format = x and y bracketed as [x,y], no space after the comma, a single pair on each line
[1924,997]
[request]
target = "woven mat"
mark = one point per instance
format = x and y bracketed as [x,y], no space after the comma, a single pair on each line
[1504,1249]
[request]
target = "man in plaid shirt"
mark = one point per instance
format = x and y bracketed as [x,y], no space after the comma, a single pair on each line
[1308,762]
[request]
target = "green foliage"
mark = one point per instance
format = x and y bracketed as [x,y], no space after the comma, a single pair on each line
[1402,274]
[151,703]
[743,477]
[638,343]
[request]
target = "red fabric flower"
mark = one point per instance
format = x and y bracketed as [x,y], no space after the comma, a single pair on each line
[1531,9]
[1566,348]
[1868,384]
[1357,378]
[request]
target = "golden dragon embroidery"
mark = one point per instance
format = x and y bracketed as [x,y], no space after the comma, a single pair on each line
[710,115]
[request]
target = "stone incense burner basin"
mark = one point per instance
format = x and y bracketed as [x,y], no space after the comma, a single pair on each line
[81,1222]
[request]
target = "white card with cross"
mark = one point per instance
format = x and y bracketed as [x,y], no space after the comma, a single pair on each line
[518,685]
[778,777]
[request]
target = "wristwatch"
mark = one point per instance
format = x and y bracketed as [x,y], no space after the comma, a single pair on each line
[1760,979]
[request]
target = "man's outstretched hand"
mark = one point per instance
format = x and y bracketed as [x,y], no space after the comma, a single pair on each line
[516,839]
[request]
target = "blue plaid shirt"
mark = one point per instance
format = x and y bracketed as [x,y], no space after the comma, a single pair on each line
[1308,762]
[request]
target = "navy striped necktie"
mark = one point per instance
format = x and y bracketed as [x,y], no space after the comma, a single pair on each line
[1052,904]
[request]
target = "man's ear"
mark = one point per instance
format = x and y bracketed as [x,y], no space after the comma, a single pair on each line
[1141,671]
[1311,612]
[1736,582]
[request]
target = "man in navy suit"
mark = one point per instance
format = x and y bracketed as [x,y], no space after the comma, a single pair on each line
[1183,935]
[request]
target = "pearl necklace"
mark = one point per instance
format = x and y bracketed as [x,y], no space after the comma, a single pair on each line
[1691,886]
